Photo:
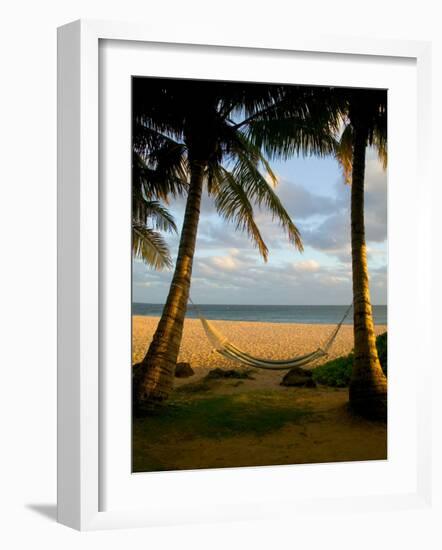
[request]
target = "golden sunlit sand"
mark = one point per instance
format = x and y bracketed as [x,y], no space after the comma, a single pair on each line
[304,425]
[269,340]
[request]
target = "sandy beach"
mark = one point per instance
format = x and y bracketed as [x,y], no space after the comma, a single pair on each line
[269,340]
[205,422]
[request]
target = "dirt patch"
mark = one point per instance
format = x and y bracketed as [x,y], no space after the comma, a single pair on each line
[231,426]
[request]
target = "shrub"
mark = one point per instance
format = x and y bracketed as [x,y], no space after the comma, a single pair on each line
[337,372]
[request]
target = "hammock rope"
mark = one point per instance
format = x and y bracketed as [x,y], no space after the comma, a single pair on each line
[221,345]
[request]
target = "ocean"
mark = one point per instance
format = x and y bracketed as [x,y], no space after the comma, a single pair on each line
[269,314]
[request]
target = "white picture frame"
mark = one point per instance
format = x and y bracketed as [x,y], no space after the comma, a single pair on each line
[79,436]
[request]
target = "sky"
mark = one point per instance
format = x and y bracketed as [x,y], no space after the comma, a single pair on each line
[227,268]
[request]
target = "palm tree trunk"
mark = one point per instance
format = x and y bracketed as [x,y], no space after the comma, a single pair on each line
[368,384]
[153,377]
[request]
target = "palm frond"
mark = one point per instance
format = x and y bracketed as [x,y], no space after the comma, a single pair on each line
[232,204]
[344,152]
[380,143]
[159,104]
[158,216]
[290,136]
[149,246]
[304,120]
[161,172]
[258,190]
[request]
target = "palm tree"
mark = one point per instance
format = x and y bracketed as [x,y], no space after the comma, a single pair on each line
[365,114]
[210,131]
[367,125]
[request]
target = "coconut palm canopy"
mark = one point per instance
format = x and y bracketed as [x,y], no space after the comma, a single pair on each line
[233,125]
[369,106]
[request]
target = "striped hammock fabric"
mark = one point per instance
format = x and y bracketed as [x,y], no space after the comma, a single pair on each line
[221,345]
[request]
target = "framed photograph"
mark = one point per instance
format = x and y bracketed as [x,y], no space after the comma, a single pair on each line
[234,248]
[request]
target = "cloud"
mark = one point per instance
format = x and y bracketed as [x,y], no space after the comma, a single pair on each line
[307,266]
[229,262]
[333,234]
[304,282]
[302,203]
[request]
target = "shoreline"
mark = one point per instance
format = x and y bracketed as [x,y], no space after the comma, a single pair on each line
[253,321]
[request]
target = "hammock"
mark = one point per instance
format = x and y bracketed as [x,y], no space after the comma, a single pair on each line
[221,345]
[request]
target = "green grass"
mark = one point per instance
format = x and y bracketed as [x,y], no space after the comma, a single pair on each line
[219,416]
[201,386]
[212,379]
[337,372]
[190,417]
